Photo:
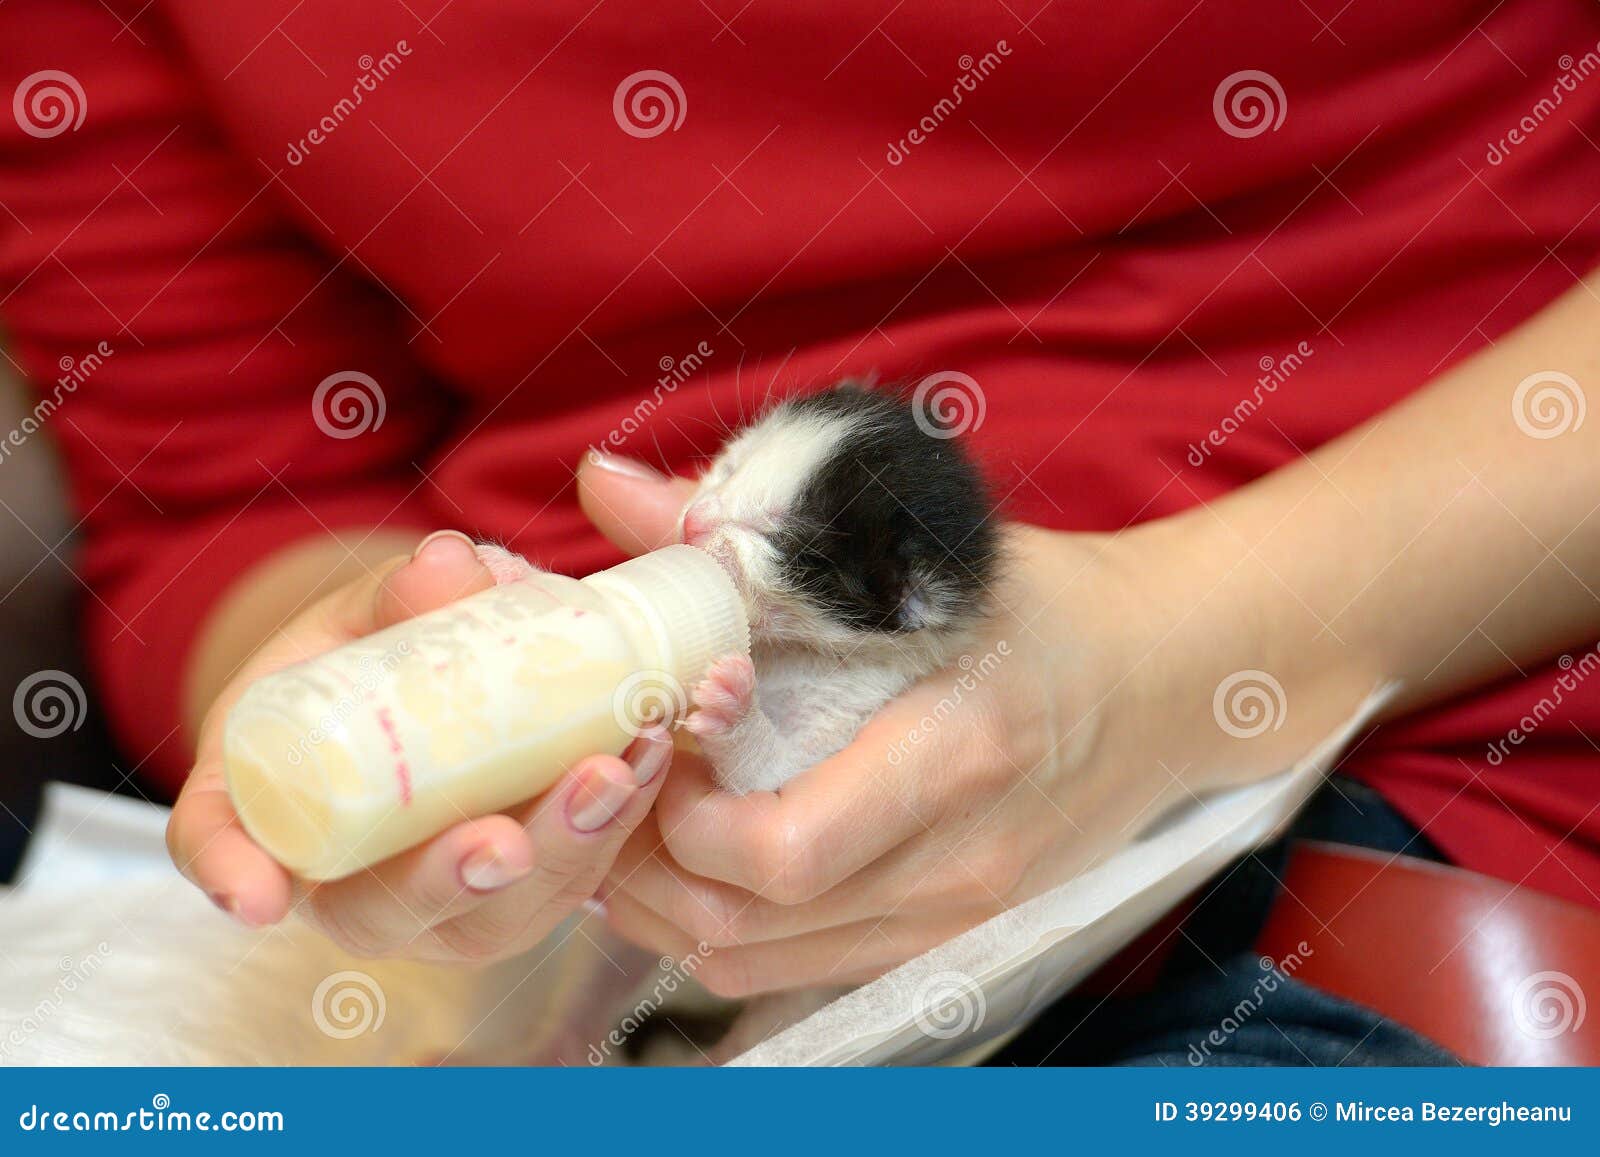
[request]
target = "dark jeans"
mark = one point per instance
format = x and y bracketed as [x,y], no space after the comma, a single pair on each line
[1213,1003]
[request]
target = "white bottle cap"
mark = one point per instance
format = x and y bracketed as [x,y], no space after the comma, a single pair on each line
[688,605]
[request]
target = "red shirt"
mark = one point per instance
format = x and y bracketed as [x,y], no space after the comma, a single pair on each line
[1071,211]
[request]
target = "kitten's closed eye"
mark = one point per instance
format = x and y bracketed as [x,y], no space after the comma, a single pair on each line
[845,516]
[863,541]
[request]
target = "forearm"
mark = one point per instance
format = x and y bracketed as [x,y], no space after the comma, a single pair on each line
[1439,546]
[270,594]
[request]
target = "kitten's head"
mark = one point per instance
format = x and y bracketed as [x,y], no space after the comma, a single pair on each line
[847,516]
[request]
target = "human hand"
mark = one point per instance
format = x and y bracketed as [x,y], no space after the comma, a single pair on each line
[488,887]
[1084,710]
[975,789]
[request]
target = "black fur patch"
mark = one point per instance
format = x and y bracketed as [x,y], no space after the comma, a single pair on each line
[895,532]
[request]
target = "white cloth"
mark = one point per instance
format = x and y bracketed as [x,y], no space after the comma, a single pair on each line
[108,957]
[975,989]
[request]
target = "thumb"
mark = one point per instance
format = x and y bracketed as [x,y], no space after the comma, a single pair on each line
[443,568]
[628,502]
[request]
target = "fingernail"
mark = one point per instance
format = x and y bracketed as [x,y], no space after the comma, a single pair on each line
[441,536]
[627,467]
[596,800]
[485,871]
[229,905]
[649,754]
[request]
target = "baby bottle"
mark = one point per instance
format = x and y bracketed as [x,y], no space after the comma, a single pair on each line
[345,759]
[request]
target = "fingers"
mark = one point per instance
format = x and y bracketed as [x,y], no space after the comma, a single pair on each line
[210,847]
[445,567]
[848,954]
[387,909]
[919,875]
[628,502]
[723,915]
[204,836]
[821,828]
[491,887]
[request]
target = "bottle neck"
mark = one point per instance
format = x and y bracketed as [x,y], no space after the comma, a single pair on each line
[681,609]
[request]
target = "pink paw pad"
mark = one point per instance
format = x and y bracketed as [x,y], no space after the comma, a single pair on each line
[723,697]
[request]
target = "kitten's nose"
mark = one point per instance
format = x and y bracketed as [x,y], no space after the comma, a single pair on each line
[700,520]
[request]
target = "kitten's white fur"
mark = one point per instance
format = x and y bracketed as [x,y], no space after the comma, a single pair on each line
[818,680]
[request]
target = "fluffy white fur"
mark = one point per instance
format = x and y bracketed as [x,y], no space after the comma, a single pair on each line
[111,958]
[149,973]
[815,681]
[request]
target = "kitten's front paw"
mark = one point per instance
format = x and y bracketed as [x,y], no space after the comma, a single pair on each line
[723,697]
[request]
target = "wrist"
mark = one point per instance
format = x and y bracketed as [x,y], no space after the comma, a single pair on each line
[1212,668]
